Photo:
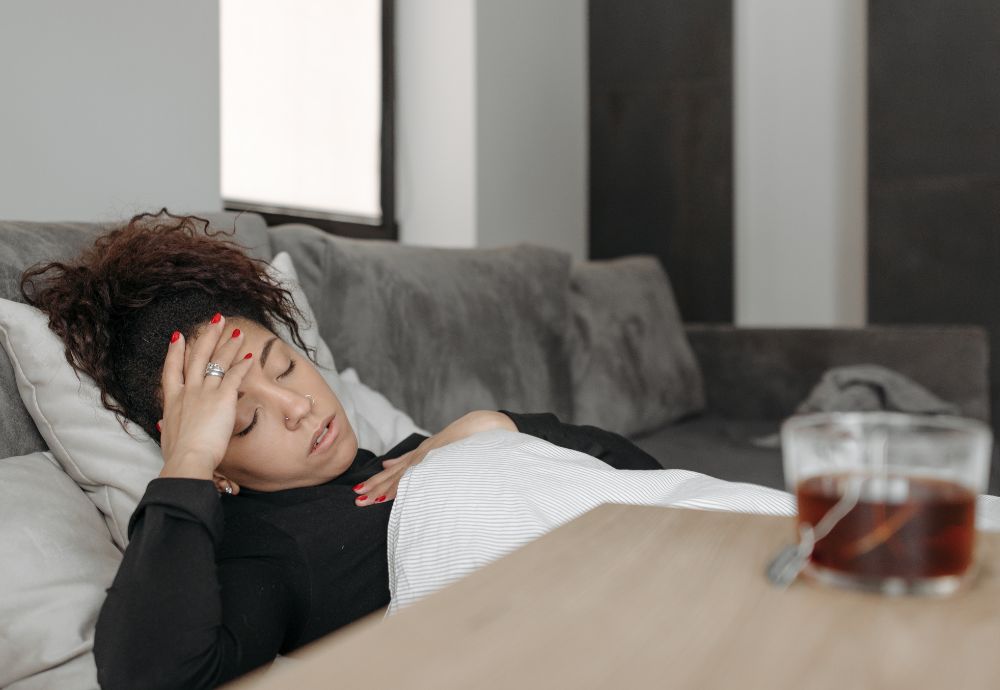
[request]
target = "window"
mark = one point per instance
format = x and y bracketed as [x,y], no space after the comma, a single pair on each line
[307,112]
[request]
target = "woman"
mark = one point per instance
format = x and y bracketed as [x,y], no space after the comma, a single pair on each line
[267,526]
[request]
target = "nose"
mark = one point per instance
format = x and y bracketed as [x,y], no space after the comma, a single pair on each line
[294,406]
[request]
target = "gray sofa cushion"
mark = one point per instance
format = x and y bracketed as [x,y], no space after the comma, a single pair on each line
[724,448]
[18,433]
[441,332]
[718,447]
[23,244]
[633,370]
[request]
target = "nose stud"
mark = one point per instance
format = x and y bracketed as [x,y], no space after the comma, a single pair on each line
[312,403]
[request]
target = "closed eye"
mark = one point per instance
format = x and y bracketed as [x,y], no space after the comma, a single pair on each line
[253,423]
[289,370]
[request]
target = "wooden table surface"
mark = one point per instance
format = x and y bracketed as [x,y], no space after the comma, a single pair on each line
[661,597]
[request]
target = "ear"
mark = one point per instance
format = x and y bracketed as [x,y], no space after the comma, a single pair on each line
[222,483]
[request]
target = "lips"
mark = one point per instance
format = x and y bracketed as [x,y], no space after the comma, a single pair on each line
[327,439]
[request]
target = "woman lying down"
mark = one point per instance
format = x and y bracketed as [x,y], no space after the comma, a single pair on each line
[268,527]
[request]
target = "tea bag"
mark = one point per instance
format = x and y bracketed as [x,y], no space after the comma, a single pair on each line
[791,560]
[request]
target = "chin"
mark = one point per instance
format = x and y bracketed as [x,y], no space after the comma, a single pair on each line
[345,454]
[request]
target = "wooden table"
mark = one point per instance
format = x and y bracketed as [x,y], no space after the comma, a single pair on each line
[667,598]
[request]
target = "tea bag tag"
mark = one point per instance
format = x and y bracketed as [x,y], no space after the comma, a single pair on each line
[792,559]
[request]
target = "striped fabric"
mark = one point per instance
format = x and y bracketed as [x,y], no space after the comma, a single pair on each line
[472,502]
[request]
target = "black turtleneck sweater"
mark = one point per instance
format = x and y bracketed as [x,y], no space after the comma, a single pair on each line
[213,586]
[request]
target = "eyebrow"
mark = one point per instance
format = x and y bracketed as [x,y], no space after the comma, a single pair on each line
[266,351]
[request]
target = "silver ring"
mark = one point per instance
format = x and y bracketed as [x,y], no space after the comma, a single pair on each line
[214,369]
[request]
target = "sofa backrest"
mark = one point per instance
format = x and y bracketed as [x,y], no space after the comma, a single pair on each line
[764,373]
[441,332]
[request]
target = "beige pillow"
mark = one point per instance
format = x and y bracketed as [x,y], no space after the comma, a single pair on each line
[110,465]
[57,558]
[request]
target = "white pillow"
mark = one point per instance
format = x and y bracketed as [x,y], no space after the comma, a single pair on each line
[58,558]
[113,466]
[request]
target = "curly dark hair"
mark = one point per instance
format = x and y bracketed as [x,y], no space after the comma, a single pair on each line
[116,305]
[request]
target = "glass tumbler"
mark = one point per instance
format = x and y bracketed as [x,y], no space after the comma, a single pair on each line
[888,499]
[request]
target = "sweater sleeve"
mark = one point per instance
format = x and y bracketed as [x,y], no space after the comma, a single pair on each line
[613,449]
[173,618]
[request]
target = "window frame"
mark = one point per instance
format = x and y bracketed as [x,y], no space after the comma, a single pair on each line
[344,224]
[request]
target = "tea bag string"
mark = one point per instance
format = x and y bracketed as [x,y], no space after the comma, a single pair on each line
[790,561]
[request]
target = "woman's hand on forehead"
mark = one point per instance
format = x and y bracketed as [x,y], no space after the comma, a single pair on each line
[199,409]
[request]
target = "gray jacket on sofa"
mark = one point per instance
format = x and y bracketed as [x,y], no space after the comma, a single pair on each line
[440,332]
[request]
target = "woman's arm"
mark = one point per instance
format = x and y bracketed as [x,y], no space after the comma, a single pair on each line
[613,449]
[172,617]
[382,486]
[609,447]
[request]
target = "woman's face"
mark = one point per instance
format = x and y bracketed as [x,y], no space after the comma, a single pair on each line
[272,446]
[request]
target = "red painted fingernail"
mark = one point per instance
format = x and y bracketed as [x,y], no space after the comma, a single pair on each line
[362,497]
[236,333]
[217,318]
[380,499]
[174,336]
[358,487]
[248,355]
[158,427]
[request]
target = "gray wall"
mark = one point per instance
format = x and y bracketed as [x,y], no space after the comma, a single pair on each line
[531,128]
[435,122]
[108,107]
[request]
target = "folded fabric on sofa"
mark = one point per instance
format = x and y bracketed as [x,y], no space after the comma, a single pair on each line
[869,387]
[866,388]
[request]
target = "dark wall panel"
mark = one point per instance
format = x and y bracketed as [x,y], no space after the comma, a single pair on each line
[934,165]
[661,143]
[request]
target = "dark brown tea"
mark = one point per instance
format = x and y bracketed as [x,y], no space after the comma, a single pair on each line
[905,527]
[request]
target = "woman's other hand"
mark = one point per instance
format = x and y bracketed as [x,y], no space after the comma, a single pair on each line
[382,487]
[199,411]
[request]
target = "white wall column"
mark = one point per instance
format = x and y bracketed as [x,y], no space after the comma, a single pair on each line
[492,123]
[800,178]
[435,122]
[531,137]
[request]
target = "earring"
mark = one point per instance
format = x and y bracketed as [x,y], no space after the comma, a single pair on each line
[229,488]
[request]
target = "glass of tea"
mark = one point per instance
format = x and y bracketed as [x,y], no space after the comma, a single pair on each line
[888,500]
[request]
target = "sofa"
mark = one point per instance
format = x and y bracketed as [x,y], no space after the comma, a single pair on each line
[438,332]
